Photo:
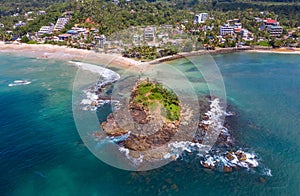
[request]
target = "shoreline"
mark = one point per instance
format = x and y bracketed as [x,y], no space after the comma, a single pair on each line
[47,51]
[226,51]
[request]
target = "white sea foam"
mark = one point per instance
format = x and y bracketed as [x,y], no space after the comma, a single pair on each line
[215,116]
[20,83]
[177,148]
[222,160]
[135,161]
[92,100]
[121,138]
[267,172]
[107,74]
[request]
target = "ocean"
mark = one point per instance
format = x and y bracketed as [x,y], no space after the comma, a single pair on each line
[41,152]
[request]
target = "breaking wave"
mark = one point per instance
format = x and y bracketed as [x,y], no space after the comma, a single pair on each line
[93,100]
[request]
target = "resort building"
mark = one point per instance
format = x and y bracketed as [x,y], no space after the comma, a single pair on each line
[60,24]
[237,27]
[201,18]
[270,22]
[79,29]
[46,30]
[1,25]
[101,40]
[226,30]
[136,39]
[246,34]
[149,33]
[275,31]
[64,36]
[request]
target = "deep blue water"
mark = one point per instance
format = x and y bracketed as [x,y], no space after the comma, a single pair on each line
[41,152]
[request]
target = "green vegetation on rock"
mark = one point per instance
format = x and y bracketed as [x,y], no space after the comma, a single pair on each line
[151,96]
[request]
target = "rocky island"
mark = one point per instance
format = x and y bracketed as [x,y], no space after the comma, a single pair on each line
[153,124]
[155,113]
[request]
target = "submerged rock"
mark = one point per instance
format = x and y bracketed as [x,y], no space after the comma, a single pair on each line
[227,169]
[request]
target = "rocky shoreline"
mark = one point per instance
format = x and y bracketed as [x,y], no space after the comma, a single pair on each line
[146,142]
[149,129]
[140,148]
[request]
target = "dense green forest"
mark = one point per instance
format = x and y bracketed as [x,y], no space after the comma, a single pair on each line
[109,17]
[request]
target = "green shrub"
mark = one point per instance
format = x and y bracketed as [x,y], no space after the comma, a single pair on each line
[167,98]
[32,42]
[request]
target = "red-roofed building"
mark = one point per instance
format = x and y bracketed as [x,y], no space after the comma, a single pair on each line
[89,20]
[271,22]
[237,30]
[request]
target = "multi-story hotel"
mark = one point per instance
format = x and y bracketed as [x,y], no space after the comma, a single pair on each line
[201,18]
[60,24]
[275,31]
[46,30]
[226,30]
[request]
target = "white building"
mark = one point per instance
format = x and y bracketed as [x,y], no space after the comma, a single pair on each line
[201,18]
[275,31]
[245,34]
[149,33]
[237,25]
[226,30]
[46,30]
[102,40]
[28,13]
[136,39]
[42,12]
[60,23]
[1,25]
[19,24]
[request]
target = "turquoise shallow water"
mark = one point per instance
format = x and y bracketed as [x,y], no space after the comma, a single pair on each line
[41,152]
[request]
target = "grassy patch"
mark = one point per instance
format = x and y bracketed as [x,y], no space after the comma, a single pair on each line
[149,95]
[264,43]
[153,106]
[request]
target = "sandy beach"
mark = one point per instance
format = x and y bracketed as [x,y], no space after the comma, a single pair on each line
[278,50]
[47,51]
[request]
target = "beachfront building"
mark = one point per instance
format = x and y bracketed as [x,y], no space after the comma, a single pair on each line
[268,23]
[46,30]
[245,34]
[237,27]
[275,31]
[201,18]
[79,29]
[72,32]
[226,30]
[149,33]
[101,40]
[64,37]
[136,39]
[60,24]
